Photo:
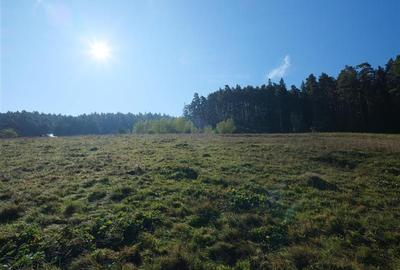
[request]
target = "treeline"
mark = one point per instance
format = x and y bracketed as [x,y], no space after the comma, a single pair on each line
[360,99]
[37,124]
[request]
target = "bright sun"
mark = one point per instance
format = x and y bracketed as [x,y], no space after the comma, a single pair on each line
[100,50]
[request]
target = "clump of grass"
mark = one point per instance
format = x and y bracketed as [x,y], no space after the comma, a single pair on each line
[105,256]
[96,195]
[130,254]
[179,173]
[104,181]
[342,159]
[4,178]
[50,208]
[176,259]
[10,213]
[217,182]
[241,199]
[120,193]
[302,256]
[227,253]
[137,170]
[72,207]
[85,261]
[205,214]
[89,183]
[270,237]
[317,182]
[123,229]
[185,173]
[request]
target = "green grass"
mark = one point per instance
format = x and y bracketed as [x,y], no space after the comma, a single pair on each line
[305,201]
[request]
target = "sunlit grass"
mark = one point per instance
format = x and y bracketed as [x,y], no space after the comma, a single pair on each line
[320,201]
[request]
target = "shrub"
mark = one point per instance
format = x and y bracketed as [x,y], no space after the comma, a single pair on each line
[8,133]
[226,127]
[164,126]
[208,130]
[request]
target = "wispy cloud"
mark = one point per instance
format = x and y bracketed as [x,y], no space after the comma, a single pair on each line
[281,70]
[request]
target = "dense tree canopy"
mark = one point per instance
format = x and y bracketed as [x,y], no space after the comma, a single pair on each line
[37,124]
[360,99]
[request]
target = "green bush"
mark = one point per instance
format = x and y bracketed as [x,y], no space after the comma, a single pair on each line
[164,126]
[208,130]
[226,127]
[8,133]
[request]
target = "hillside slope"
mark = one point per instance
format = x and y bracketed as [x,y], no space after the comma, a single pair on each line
[304,201]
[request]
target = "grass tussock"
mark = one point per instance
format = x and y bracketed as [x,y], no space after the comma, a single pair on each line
[9,213]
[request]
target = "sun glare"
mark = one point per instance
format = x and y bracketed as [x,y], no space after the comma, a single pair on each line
[100,50]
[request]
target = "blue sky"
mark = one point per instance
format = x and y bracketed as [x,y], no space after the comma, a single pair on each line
[161,52]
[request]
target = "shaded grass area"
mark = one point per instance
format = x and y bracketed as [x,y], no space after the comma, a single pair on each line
[304,201]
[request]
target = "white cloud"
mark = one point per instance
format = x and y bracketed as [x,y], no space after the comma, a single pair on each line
[280,71]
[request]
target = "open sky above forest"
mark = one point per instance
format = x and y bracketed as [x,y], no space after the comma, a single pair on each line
[74,57]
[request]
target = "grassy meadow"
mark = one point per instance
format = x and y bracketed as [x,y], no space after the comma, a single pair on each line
[304,201]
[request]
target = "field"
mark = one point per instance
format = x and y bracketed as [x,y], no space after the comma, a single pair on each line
[305,201]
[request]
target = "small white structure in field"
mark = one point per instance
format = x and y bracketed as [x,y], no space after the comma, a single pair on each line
[51,135]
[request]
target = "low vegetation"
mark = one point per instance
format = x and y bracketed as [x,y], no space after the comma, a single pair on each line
[8,133]
[226,126]
[180,125]
[305,201]
[164,126]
